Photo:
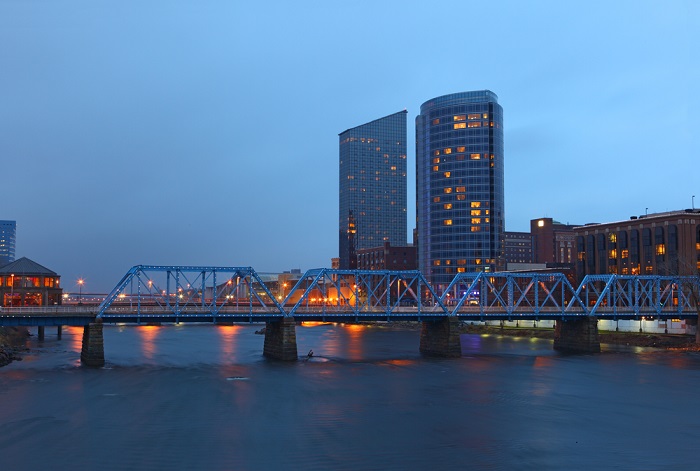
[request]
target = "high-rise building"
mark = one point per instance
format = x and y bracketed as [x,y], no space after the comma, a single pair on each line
[372,187]
[552,241]
[8,231]
[460,214]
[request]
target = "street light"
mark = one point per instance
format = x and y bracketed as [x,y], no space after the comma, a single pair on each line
[80,291]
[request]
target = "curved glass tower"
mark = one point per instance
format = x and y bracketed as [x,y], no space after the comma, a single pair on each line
[460,214]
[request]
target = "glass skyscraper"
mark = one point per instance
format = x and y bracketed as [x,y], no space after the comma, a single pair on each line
[460,214]
[8,230]
[372,186]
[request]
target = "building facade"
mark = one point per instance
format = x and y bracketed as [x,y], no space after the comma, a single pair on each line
[655,244]
[26,283]
[8,233]
[460,211]
[552,241]
[517,247]
[372,202]
[388,257]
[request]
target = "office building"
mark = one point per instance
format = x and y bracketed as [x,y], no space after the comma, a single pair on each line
[460,216]
[8,231]
[552,241]
[665,243]
[517,247]
[372,187]
[387,257]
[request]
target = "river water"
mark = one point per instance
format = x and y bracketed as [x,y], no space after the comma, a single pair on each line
[202,397]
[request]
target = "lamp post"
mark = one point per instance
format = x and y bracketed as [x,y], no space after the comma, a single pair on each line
[80,291]
[12,290]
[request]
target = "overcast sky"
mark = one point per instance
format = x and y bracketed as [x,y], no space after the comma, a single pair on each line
[206,132]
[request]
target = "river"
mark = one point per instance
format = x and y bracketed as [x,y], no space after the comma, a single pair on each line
[203,397]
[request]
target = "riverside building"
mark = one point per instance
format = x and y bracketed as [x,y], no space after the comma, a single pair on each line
[460,214]
[372,202]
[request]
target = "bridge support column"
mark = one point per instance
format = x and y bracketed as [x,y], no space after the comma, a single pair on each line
[440,338]
[577,335]
[93,353]
[59,332]
[40,332]
[281,340]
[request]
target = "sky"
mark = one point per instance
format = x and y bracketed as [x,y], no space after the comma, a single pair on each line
[171,132]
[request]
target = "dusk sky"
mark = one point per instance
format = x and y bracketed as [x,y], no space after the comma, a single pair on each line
[206,132]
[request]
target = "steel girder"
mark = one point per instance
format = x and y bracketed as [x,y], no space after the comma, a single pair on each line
[513,294]
[639,295]
[363,293]
[186,290]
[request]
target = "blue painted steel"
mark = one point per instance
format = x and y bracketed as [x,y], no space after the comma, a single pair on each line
[238,294]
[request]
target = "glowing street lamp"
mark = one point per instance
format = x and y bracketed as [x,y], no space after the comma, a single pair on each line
[80,291]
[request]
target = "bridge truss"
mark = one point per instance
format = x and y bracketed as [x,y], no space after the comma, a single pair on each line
[201,294]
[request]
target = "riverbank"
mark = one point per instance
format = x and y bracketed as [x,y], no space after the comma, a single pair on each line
[12,341]
[635,339]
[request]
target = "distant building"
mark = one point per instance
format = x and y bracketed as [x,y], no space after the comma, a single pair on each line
[460,210]
[8,232]
[552,242]
[388,257]
[372,199]
[517,248]
[656,244]
[26,283]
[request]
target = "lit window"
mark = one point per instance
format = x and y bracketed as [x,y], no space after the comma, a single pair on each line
[475,212]
[447,206]
[660,249]
[461,149]
[460,117]
[487,220]
[436,263]
[476,204]
[460,126]
[476,220]
[436,168]
[448,150]
[476,229]
[447,222]
[474,124]
[612,253]
[625,253]
[540,223]
[461,189]
[448,190]
[437,152]
[612,237]
[475,156]
[461,197]
[474,116]
[436,199]
[461,270]
[477,261]
[448,174]
[436,160]
[436,121]
[485,116]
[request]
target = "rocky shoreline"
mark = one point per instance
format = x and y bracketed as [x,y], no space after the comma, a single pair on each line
[12,342]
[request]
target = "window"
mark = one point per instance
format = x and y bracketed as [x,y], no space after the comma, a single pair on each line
[448,190]
[460,117]
[475,212]
[436,168]
[474,116]
[475,156]
[476,220]
[460,126]
[447,206]
[464,197]
[448,174]
[448,150]
[660,249]
[476,204]
[461,149]
[474,124]
[447,222]
[436,199]
[461,189]
[436,121]
[436,160]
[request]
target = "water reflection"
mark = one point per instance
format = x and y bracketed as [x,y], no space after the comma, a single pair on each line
[227,336]
[148,335]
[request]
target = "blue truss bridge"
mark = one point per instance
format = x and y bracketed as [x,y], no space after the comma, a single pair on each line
[176,294]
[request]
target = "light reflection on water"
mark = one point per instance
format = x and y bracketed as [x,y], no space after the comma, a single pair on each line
[202,397]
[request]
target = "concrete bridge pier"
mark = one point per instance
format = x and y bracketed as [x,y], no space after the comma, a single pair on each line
[577,335]
[281,340]
[440,338]
[93,353]
[40,332]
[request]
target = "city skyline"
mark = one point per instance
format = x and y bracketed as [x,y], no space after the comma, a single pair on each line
[207,135]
